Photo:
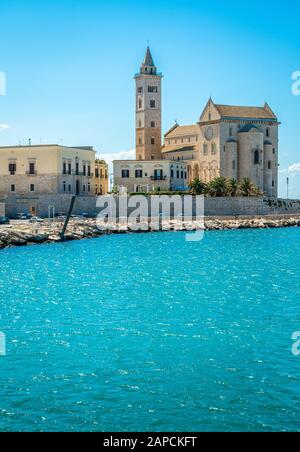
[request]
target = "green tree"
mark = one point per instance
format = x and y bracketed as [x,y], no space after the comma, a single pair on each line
[197,187]
[232,187]
[218,187]
[247,188]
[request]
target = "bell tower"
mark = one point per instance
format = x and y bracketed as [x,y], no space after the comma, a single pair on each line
[148,110]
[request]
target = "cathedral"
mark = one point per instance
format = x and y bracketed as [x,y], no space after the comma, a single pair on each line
[229,141]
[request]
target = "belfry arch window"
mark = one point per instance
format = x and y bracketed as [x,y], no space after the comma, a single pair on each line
[256,157]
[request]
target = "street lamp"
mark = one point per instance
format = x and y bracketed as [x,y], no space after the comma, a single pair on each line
[287,187]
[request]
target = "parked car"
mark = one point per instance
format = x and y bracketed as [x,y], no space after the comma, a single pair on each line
[21,216]
[4,220]
[60,215]
[36,220]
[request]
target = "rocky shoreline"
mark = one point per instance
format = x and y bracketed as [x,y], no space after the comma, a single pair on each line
[27,235]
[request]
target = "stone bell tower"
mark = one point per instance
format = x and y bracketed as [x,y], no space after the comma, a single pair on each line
[148,110]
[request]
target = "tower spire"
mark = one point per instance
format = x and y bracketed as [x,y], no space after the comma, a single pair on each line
[148,60]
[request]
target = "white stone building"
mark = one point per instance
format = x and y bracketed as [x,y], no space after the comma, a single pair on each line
[149,176]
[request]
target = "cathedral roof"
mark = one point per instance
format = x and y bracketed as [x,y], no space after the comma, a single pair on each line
[248,128]
[180,131]
[231,111]
[148,60]
[178,148]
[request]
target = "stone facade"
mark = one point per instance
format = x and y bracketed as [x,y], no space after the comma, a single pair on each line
[148,110]
[233,142]
[148,176]
[29,174]
[101,177]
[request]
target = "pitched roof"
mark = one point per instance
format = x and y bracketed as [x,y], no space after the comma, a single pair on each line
[180,131]
[148,60]
[178,148]
[234,111]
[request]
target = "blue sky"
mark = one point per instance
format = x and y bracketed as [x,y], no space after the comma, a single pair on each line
[69,67]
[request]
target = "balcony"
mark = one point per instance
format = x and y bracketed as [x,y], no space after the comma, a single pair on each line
[31,173]
[158,178]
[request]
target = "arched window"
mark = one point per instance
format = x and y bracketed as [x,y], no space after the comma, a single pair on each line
[268,131]
[140,103]
[256,157]
[205,149]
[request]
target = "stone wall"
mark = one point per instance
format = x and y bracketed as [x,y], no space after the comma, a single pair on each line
[41,203]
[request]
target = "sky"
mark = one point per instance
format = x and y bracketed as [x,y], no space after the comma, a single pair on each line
[69,68]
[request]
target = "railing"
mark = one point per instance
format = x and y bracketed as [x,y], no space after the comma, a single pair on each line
[158,178]
[31,173]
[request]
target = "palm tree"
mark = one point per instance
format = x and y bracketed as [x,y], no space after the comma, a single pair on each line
[247,188]
[232,187]
[197,187]
[218,187]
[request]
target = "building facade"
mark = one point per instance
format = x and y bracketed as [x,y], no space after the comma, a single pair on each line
[31,175]
[101,177]
[148,111]
[229,141]
[150,176]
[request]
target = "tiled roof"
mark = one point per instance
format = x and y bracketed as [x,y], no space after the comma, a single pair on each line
[180,131]
[179,148]
[245,112]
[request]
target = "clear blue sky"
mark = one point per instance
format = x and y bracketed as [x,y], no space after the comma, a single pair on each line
[70,66]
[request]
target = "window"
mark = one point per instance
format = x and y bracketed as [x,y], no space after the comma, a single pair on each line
[64,168]
[233,164]
[32,187]
[273,150]
[205,149]
[185,174]
[125,173]
[152,103]
[158,174]
[13,188]
[140,89]
[177,174]
[140,103]
[97,172]
[89,170]
[77,168]
[181,174]
[213,148]
[140,124]
[230,131]
[84,170]
[209,116]
[172,173]
[70,168]
[83,188]
[70,188]
[138,173]
[89,187]
[152,140]
[256,157]
[268,131]
[269,164]
[31,168]
[273,184]
[140,141]
[152,124]
[12,168]
[64,186]
[152,89]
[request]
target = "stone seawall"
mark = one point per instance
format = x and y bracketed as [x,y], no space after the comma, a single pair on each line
[212,206]
[25,234]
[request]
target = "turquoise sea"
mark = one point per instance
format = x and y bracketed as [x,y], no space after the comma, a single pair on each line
[148,332]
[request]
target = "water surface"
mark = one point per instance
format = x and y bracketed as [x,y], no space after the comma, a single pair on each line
[148,332]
